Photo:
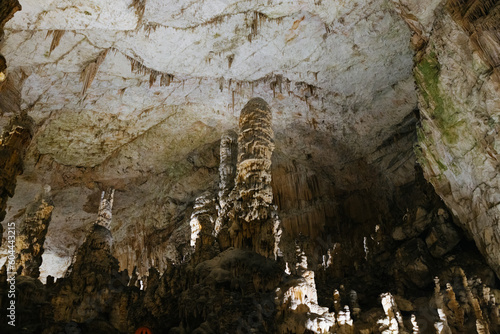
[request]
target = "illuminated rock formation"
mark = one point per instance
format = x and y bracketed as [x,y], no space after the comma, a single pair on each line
[31,235]
[250,222]
[202,228]
[227,166]
[255,148]
[393,323]
[299,304]
[104,216]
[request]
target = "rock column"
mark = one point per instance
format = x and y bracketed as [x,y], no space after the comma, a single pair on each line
[252,225]
[255,148]
[227,167]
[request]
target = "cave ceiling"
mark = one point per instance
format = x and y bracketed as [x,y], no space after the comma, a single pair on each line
[133,94]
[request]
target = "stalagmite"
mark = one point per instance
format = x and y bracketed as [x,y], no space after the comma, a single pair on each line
[252,225]
[227,174]
[302,297]
[227,167]
[94,286]
[202,228]
[393,323]
[105,207]
[414,324]
[481,324]
[353,298]
[255,148]
[31,237]
[454,306]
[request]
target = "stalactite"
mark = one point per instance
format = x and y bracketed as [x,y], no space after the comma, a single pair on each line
[139,6]
[89,72]
[480,18]
[56,38]
[139,68]
[467,11]
[104,215]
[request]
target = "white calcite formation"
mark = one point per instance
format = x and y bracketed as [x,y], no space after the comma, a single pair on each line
[105,215]
[393,323]
[227,166]
[300,304]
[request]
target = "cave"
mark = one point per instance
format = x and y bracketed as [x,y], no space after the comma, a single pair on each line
[252,166]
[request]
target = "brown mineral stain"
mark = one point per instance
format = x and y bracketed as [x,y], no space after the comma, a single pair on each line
[297,22]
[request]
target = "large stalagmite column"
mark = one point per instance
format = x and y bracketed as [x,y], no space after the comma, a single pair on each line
[251,223]
[255,148]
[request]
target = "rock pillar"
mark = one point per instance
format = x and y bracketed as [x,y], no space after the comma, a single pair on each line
[255,148]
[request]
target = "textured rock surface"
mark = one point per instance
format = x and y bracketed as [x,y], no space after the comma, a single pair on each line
[387,289]
[162,81]
[31,235]
[94,288]
[13,144]
[457,75]
[345,237]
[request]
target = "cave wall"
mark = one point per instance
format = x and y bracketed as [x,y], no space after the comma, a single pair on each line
[456,72]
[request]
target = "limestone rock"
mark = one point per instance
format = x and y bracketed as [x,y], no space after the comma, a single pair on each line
[14,142]
[31,235]
[255,148]
[104,215]
[458,137]
[415,262]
